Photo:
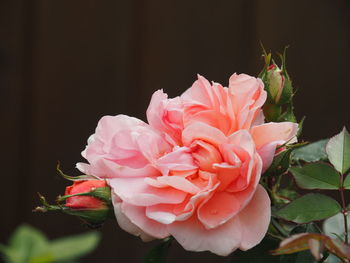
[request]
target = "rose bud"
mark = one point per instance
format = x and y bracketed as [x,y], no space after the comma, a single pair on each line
[81,201]
[278,85]
[275,80]
[279,106]
[88,199]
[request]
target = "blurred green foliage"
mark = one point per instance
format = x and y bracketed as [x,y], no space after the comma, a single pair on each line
[29,245]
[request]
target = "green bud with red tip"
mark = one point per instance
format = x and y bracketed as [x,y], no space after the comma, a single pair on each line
[278,86]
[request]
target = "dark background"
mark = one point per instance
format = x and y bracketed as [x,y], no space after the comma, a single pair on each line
[64,64]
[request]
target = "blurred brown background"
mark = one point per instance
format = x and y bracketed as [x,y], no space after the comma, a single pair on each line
[64,64]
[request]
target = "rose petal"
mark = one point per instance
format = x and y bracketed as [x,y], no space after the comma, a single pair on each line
[244,140]
[226,174]
[138,192]
[220,208]
[205,94]
[137,215]
[165,115]
[125,223]
[179,183]
[110,125]
[247,95]
[255,219]
[205,155]
[179,160]
[246,90]
[204,132]
[267,153]
[103,168]
[193,236]
[162,213]
[273,131]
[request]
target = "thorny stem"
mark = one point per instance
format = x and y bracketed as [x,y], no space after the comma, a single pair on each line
[344,208]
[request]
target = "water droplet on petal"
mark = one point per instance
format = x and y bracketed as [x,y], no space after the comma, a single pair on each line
[214,212]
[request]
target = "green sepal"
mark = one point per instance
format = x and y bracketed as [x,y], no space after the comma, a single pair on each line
[73,178]
[46,206]
[102,193]
[94,218]
[267,60]
[287,92]
[301,126]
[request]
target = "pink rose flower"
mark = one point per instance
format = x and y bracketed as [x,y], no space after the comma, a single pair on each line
[193,172]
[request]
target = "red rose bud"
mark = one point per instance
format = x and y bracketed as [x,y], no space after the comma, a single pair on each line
[90,200]
[84,201]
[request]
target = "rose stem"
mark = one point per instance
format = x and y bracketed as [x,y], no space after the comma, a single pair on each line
[344,209]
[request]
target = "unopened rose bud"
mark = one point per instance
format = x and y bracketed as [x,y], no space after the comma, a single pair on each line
[278,85]
[279,106]
[275,82]
[90,200]
[87,201]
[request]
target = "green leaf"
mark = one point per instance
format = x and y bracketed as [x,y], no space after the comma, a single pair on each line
[259,253]
[45,258]
[158,253]
[316,176]
[308,208]
[27,243]
[312,152]
[73,247]
[334,226]
[8,254]
[338,151]
[347,182]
